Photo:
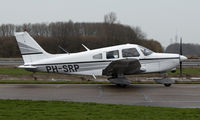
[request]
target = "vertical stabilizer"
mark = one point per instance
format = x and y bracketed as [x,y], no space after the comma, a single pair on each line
[29,48]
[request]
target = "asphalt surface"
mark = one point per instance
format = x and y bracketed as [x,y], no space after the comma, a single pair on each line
[181,96]
[4,62]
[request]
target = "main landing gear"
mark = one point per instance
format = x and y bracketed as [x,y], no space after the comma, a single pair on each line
[120,80]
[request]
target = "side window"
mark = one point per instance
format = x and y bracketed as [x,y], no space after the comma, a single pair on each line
[131,52]
[112,54]
[97,56]
[145,51]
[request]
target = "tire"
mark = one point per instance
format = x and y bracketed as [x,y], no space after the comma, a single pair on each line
[167,84]
[121,85]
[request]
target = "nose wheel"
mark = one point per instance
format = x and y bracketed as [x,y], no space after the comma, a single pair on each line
[166,81]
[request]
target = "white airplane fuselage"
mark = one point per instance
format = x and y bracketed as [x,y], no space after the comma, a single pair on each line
[85,63]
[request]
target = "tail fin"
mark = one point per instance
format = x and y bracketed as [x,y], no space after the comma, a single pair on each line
[29,48]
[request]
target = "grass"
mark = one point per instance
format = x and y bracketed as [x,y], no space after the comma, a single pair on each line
[50,82]
[187,71]
[82,82]
[57,110]
[14,71]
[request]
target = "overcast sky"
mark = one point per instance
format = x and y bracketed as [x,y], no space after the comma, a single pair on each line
[159,19]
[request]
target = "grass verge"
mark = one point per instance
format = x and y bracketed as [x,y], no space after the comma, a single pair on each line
[82,82]
[50,82]
[57,110]
[13,71]
[188,71]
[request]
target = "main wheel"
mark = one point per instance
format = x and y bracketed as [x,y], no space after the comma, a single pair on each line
[167,84]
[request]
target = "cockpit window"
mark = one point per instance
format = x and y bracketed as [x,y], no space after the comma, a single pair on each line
[112,54]
[131,52]
[145,51]
[97,56]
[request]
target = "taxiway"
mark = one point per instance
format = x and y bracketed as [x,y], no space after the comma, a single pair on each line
[178,95]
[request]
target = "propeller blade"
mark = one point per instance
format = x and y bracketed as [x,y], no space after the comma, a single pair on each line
[181,53]
[181,49]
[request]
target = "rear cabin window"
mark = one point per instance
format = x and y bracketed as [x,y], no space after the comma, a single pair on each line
[112,54]
[131,52]
[97,56]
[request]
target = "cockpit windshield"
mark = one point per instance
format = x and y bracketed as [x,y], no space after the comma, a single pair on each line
[145,51]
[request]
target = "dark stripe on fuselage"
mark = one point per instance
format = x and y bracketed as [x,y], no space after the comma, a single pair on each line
[32,53]
[71,63]
[159,58]
[100,61]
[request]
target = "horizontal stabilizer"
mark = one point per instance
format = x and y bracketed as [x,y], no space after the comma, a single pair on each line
[27,67]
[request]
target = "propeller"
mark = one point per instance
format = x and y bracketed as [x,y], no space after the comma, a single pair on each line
[180,54]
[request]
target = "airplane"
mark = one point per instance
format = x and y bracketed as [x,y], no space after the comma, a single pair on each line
[114,62]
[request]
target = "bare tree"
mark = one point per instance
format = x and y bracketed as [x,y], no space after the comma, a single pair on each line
[139,33]
[71,35]
[110,18]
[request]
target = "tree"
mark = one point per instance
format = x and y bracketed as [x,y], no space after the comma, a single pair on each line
[110,18]
[139,32]
[71,35]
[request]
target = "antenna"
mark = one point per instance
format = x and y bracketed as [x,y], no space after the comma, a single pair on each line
[86,47]
[176,37]
[63,49]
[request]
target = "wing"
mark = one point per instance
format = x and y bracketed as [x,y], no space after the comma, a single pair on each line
[122,67]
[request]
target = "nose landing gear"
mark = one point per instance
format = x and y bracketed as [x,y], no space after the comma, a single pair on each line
[167,82]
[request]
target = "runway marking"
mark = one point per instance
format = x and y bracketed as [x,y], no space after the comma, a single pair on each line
[100,91]
[147,98]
